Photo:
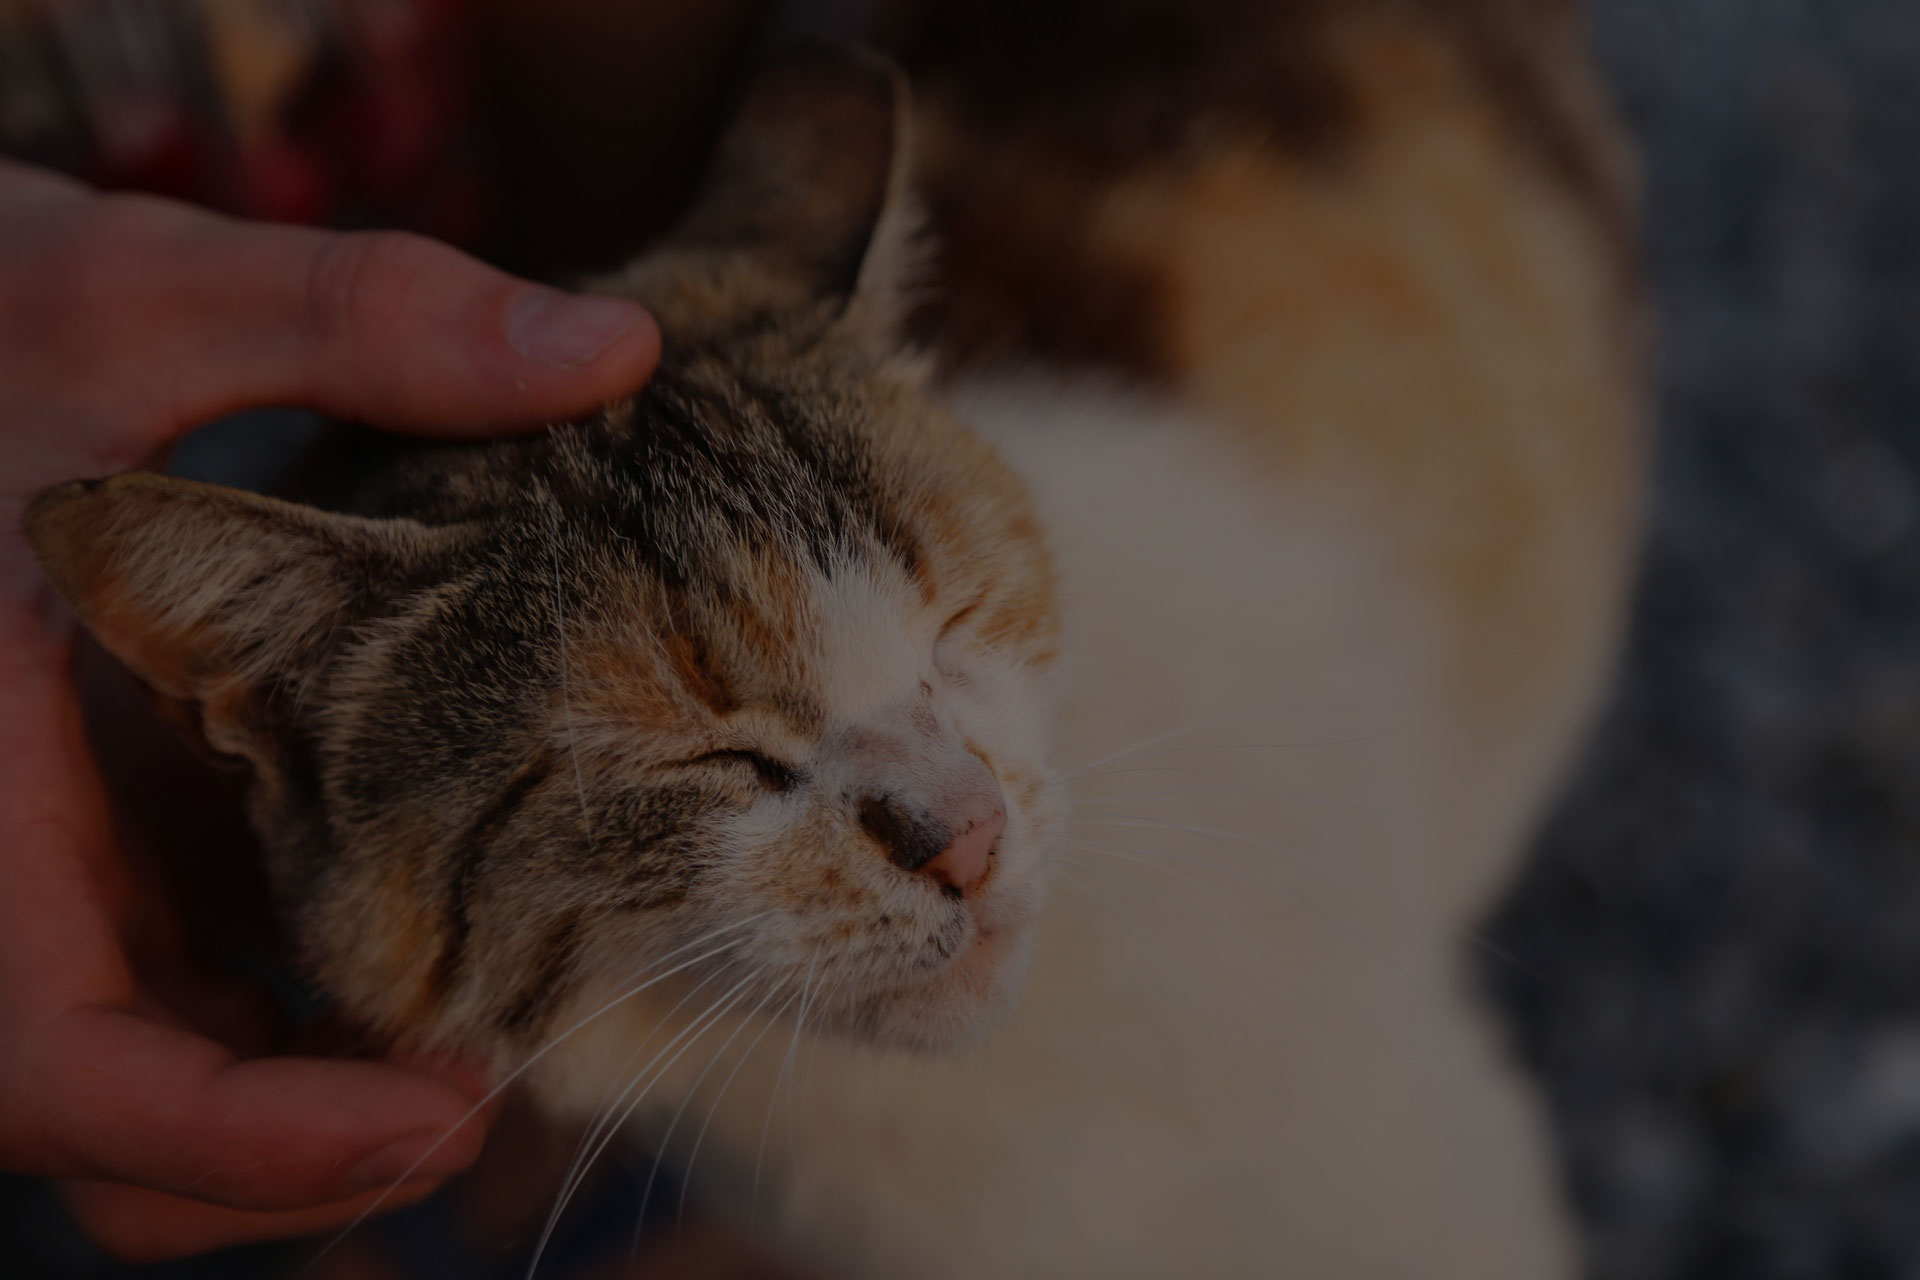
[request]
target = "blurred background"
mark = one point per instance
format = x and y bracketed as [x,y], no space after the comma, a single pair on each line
[1717,942]
[1712,961]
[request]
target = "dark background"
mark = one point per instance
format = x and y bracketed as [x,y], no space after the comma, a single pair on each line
[1714,954]
[1718,937]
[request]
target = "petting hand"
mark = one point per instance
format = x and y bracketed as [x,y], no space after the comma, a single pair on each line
[124,322]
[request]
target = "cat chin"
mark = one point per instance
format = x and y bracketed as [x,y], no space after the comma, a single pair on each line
[960,1006]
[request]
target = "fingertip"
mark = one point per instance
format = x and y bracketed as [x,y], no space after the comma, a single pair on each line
[550,356]
[467,1075]
[576,352]
[437,1130]
[567,330]
[634,358]
[432,1154]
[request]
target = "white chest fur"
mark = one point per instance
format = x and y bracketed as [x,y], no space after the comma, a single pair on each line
[1246,1047]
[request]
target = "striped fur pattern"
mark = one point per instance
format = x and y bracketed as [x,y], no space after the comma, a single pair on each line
[1296,348]
[524,716]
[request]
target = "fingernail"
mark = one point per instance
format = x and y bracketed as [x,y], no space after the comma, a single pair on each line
[421,1155]
[568,329]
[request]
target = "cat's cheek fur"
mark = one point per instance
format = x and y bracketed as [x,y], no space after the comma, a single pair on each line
[823,910]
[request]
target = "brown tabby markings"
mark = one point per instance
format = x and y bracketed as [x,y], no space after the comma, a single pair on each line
[558,950]
[472,848]
[628,598]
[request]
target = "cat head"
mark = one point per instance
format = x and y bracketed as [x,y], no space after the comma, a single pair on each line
[745,680]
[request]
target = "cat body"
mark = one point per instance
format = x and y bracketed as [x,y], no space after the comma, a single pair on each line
[1249,615]
[1245,1035]
[1337,454]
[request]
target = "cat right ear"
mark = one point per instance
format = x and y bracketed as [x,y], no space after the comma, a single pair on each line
[215,597]
[810,179]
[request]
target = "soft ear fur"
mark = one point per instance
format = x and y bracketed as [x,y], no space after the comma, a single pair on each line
[213,596]
[809,182]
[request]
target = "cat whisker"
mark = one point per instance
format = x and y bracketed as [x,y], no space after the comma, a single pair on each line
[604,1112]
[1478,938]
[1088,888]
[526,1066]
[603,1116]
[1227,861]
[687,1176]
[1141,858]
[1145,746]
[300,697]
[1212,834]
[787,1073]
[566,700]
[792,1064]
[665,1140]
[803,1077]
[1122,861]
[708,1019]
[1250,793]
[1296,744]
[1246,861]
[1139,747]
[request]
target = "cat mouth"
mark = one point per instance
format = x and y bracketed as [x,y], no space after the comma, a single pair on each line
[956,1001]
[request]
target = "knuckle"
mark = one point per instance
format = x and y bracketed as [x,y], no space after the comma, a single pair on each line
[360,281]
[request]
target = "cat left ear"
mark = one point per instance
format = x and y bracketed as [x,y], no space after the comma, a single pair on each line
[810,179]
[212,595]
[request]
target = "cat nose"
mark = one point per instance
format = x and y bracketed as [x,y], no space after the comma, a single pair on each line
[967,859]
[954,848]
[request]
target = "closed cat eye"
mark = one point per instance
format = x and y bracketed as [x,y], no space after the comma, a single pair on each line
[773,774]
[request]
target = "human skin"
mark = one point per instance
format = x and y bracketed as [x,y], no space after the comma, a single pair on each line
[124,322]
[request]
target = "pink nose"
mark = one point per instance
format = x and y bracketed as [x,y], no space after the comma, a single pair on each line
[919,841]
[965,863]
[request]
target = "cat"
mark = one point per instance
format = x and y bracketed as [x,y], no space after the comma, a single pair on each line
[1011,803]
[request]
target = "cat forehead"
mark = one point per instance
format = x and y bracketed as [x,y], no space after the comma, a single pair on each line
[706,462]
[787,661]
[875,643]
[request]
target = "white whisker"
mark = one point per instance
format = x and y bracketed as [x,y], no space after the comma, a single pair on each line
[1227,861]
[1213,834]
[1250,793]
[691,1034]
[603,1116]
[1152,861]
[1139,747]
[787,1066]
[528,1065]
[686,1177]
[566,700]
[665,1140]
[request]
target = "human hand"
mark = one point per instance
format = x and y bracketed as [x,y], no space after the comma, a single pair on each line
[125,321]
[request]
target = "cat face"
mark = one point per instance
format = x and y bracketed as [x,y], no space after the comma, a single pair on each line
[727,655]
[740,652]
[763,656]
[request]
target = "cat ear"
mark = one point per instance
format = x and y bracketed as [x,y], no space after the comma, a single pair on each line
[810,179]
[213,596]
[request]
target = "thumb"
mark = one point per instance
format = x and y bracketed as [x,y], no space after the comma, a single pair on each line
[196,315]
[404,332]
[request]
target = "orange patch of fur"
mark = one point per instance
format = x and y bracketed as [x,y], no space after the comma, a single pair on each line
[1432,333]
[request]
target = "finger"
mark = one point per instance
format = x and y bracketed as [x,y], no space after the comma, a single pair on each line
[117,1098]
[132,1224]
[89,1090]
[197,315]
[403,331]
